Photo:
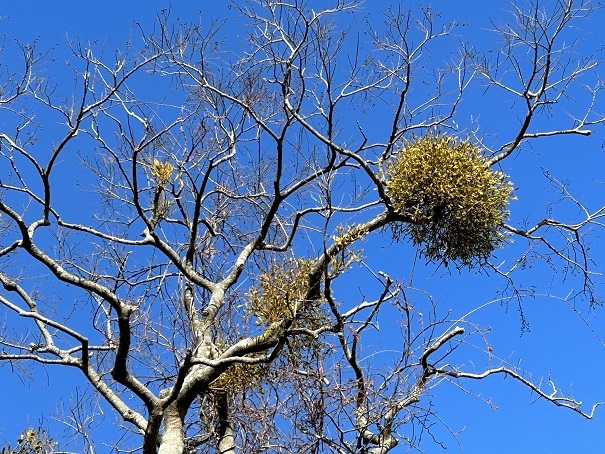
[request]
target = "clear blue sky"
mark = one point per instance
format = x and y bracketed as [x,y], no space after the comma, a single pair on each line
[559,343]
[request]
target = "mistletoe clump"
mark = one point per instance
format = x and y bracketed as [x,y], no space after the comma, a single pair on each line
[286,292]
[161,172]
[281,293]
[239,377]
[456,202]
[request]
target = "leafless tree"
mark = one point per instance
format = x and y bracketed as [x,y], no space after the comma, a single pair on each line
[187,248]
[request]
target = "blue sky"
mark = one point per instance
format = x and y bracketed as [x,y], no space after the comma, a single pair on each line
[559,343]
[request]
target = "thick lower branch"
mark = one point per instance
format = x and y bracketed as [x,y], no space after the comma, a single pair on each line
[127,413]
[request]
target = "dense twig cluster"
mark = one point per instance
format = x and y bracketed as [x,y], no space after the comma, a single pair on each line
[192,312]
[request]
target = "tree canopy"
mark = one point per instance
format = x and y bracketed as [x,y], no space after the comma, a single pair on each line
[291,226]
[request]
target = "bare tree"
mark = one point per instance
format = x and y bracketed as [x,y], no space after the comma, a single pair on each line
[198,280]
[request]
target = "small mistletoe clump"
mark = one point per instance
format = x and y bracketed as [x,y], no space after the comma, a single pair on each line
[161,172]
[457,203]
[239,377]
[32,441]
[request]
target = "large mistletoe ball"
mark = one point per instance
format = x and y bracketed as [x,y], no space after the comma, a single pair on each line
[456,202]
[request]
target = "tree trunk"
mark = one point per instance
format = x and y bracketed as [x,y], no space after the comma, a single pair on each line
[226,443]
[172,436]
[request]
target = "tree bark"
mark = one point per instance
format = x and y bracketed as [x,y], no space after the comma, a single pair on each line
[226,443]
[172,436]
